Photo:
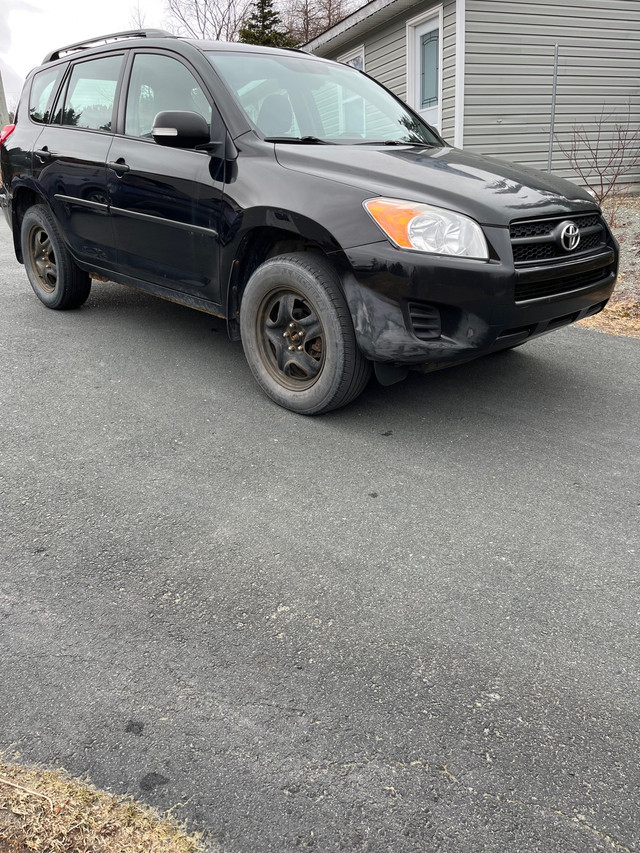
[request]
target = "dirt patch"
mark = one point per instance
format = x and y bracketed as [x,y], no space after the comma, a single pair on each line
[43,811]
[622,314]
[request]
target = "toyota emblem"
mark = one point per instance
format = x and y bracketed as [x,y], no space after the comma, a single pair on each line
[570,237]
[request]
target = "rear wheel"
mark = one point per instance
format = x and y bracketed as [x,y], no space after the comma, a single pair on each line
[298,336]
[52,272]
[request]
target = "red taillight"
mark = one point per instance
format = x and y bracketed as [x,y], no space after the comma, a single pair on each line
[6,132]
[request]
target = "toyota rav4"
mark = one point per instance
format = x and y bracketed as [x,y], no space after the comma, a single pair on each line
[335,231]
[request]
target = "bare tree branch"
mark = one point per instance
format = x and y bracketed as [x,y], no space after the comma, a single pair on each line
[306,19]
[218,20]
[137,17]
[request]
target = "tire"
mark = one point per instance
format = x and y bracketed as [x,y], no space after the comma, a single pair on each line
[52,272]
[298,336]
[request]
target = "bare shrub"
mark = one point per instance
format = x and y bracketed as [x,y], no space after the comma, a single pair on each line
[602,154]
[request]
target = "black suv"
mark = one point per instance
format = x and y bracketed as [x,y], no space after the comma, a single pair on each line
[297,198]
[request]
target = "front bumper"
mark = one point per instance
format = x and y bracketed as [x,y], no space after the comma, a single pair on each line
[428,312]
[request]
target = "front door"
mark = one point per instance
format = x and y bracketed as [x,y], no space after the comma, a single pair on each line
[165,234]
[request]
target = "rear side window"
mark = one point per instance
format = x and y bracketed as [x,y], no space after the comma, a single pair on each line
[161,83]
[90,94]
[43,90]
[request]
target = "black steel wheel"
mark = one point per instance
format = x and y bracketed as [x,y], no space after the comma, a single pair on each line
[52,272]
[298,336]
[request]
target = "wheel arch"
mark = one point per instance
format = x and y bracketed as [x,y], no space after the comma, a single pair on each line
[22,199]
[265,240]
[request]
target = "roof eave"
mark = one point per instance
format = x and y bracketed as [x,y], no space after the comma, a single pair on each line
[357,24]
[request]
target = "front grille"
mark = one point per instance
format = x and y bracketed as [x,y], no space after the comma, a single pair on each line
[539,227]
[535,252]
[528,289]
[537,240]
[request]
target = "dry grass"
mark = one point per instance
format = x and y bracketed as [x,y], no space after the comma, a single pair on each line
[43,811]
[620,317]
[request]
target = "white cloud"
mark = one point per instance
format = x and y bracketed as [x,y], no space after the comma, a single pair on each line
[31,31]
[7,7]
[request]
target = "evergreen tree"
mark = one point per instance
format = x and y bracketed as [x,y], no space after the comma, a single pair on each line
[262,27]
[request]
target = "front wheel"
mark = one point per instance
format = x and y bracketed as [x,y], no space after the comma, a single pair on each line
[298,336]
[52,272]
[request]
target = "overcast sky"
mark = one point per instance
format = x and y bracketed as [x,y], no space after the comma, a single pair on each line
[29,29]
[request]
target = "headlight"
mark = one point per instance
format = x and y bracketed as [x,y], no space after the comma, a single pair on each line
[423,228]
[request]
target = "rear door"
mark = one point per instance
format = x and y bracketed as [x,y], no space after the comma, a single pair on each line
[71,155]
[164,201]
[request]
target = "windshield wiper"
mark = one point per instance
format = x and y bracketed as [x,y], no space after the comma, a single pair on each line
[399,142]
[300,140]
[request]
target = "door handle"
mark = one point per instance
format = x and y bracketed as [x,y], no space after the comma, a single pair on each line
[43,154]
[119,166]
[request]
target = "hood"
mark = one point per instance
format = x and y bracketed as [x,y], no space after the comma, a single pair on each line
[491,191]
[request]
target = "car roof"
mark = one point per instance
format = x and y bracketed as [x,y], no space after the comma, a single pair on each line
[241,47]
[155,38]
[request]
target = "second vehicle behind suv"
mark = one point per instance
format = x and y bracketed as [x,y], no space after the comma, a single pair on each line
[297,198]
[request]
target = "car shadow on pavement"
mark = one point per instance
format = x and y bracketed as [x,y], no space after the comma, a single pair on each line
[536,377]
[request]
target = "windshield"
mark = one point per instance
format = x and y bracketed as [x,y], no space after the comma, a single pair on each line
[299,98]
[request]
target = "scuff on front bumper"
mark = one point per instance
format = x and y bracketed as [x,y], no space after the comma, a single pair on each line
[429,312]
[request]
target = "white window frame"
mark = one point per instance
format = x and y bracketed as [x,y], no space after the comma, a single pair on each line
[416,27]
[345,59]
[356,53]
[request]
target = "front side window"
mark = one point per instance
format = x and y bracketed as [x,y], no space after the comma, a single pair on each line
[91,93]
[160,83]
[296,96]
[42,93]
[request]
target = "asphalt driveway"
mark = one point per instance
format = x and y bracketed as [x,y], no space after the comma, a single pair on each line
[409,625]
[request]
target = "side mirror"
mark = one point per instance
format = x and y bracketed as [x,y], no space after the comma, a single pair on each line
[180,129]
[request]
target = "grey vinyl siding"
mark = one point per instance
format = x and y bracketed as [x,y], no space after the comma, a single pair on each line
[448,71]
[509,75]
[385,56]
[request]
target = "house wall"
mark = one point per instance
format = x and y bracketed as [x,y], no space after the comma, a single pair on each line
[509,75]
[385,50]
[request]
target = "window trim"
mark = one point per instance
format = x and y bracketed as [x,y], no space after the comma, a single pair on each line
[416,27]
[353,54]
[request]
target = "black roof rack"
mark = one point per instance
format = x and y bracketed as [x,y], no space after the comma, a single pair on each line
[84,45]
